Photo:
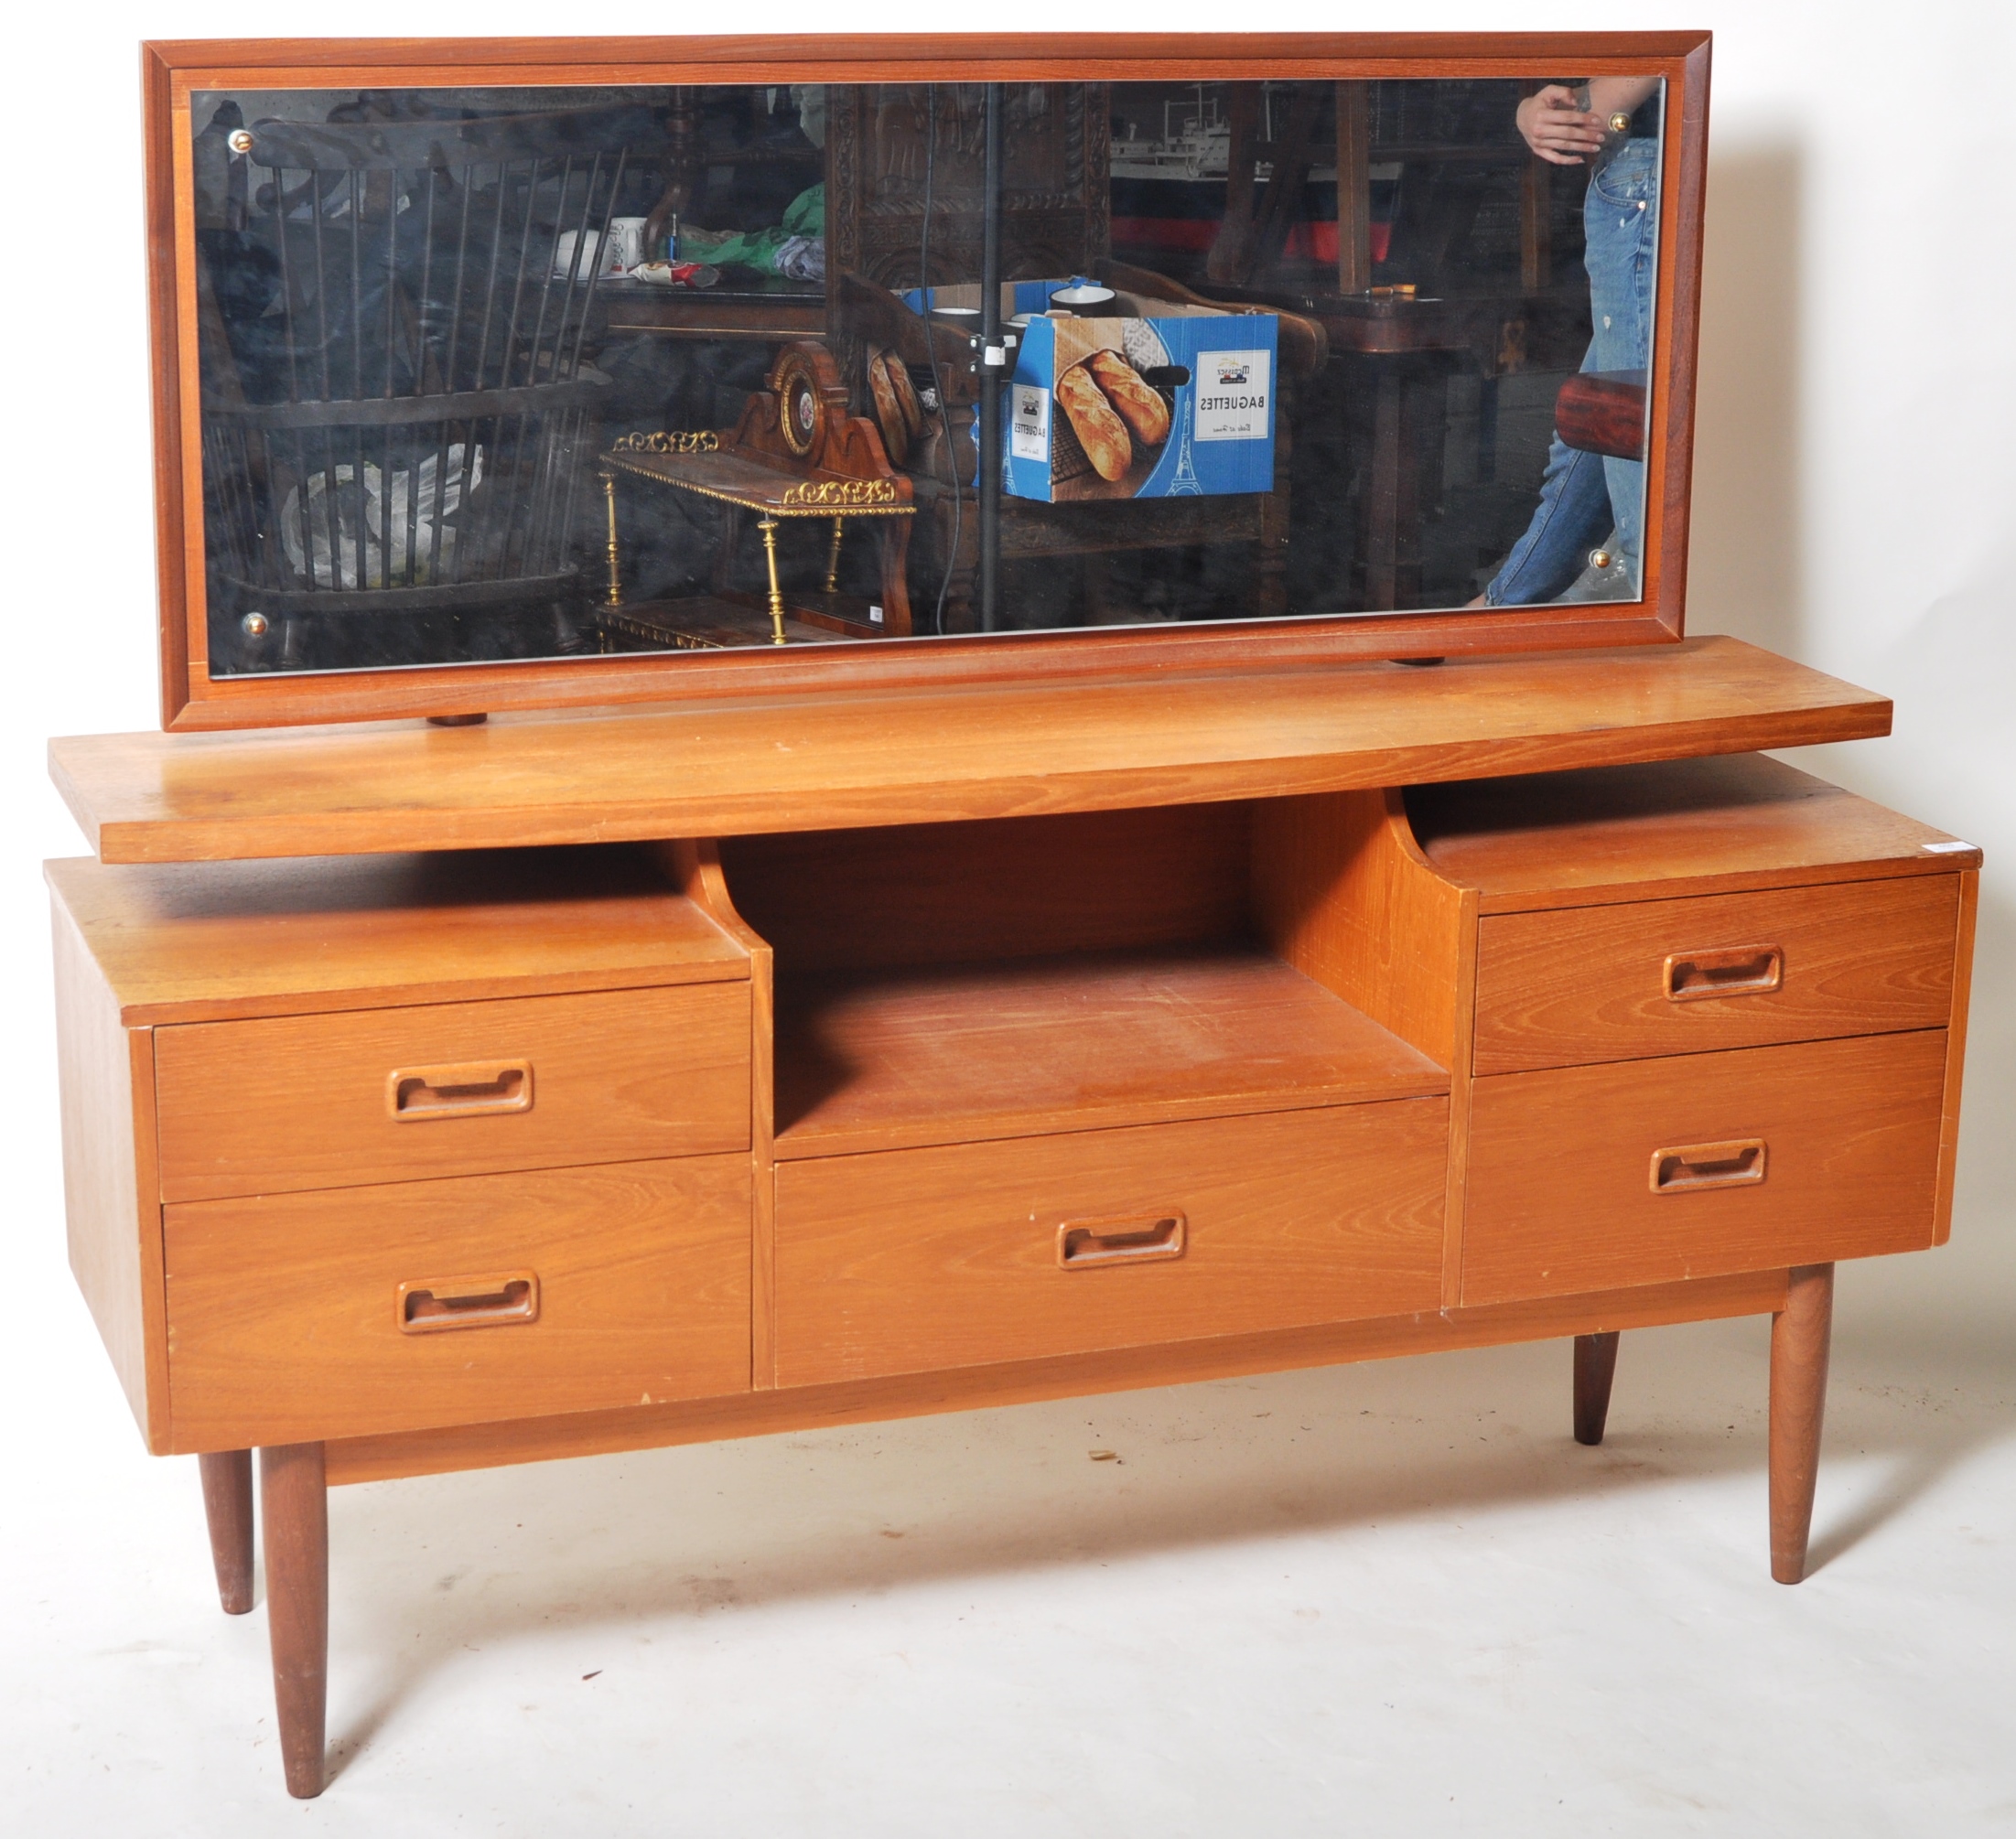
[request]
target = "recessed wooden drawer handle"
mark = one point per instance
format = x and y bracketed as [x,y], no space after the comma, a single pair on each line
[1702,1166]
[469,1303]
[1740,971]
[478,1089]
[1081,1244]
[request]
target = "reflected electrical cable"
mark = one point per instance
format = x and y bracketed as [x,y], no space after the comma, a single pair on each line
[931,346]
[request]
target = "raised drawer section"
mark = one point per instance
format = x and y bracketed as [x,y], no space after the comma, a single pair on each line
[354,1311]
[911,1260]
[1601,1178]
[1568,988]
[329,1101]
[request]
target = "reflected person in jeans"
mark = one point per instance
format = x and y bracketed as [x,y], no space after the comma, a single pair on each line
[1585,497]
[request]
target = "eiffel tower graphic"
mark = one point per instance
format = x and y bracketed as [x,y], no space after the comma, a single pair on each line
[1186,484]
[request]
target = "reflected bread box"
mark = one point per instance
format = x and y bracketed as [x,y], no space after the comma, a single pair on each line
[1149,399]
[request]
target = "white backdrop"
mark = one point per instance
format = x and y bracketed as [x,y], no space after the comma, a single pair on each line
[1852,508]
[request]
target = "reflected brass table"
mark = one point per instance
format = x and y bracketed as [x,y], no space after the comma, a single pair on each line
[743,484]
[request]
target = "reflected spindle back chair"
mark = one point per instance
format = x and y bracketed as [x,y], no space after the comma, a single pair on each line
[397,403]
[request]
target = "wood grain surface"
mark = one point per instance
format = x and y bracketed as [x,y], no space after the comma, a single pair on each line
[919,1259]
[1801,1339]
[998,888]
[299,1101]
[958,1054]
[377,1459]
[204,941]
[294,1508]
[227,1509]
[1342,891]
[286,1317]
[696,866]
[1670,827]
[1560,1198]
[1576,986]
[1949,1110]
[724,769]
[104,1074]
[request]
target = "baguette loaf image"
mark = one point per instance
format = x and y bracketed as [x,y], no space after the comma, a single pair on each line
[1140,408]
[906,393]
[1101,433]
[888,412]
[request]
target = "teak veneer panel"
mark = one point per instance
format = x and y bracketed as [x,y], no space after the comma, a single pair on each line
[904,1057]
[208,941]
[1561,1197]
[481,1446]
[1573,985]
[300,1101]
[286,1309]
[1673,827]
[919,1259]
[111,1189]
[996,888]
[724,768]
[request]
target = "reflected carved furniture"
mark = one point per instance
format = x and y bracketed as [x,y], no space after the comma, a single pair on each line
[1603,411]
[926,1049]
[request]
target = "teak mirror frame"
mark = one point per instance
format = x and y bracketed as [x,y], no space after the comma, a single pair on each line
[192,699]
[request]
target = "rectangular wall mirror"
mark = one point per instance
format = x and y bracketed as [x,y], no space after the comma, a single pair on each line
[482,386]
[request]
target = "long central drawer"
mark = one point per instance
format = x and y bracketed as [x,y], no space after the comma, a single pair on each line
[403,1094]
[909,1261]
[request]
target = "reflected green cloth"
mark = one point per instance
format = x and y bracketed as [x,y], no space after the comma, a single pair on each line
[805,215]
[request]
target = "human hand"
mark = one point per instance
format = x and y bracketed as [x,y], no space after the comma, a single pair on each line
[1558,131]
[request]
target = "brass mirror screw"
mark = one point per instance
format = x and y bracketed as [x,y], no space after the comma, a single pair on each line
[239,140]
[1620,122]
[1600,558]
[254,624]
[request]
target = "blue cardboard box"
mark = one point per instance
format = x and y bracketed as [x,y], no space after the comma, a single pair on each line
[1080,425]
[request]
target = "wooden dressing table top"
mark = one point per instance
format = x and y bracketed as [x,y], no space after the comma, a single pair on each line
[887,756]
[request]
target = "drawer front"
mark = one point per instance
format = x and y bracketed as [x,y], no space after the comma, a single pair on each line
[1601,1178]
[909,1261]
[1723,971]
[354,1311]
[331,1100]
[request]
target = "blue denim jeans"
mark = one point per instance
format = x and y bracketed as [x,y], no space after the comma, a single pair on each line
[1583,496]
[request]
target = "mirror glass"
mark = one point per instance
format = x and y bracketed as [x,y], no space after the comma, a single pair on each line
[493,373]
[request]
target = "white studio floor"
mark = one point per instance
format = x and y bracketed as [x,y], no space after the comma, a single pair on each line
[1377,1600]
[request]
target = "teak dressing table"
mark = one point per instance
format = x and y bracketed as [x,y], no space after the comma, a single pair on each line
[444,1096]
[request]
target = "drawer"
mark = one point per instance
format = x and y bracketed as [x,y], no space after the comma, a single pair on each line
[1653,978]
[1601,1178]
[331,1101]
[354,1311]
[908,1261]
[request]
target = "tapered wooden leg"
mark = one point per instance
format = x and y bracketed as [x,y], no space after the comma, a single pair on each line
[227,1505]
[1595,1367]
[294,1505]
[1799,1336]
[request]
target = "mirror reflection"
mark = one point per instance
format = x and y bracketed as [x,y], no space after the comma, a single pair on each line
[494,374]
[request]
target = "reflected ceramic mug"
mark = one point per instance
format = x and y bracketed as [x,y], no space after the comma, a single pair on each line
[622,248]
[1088,302]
